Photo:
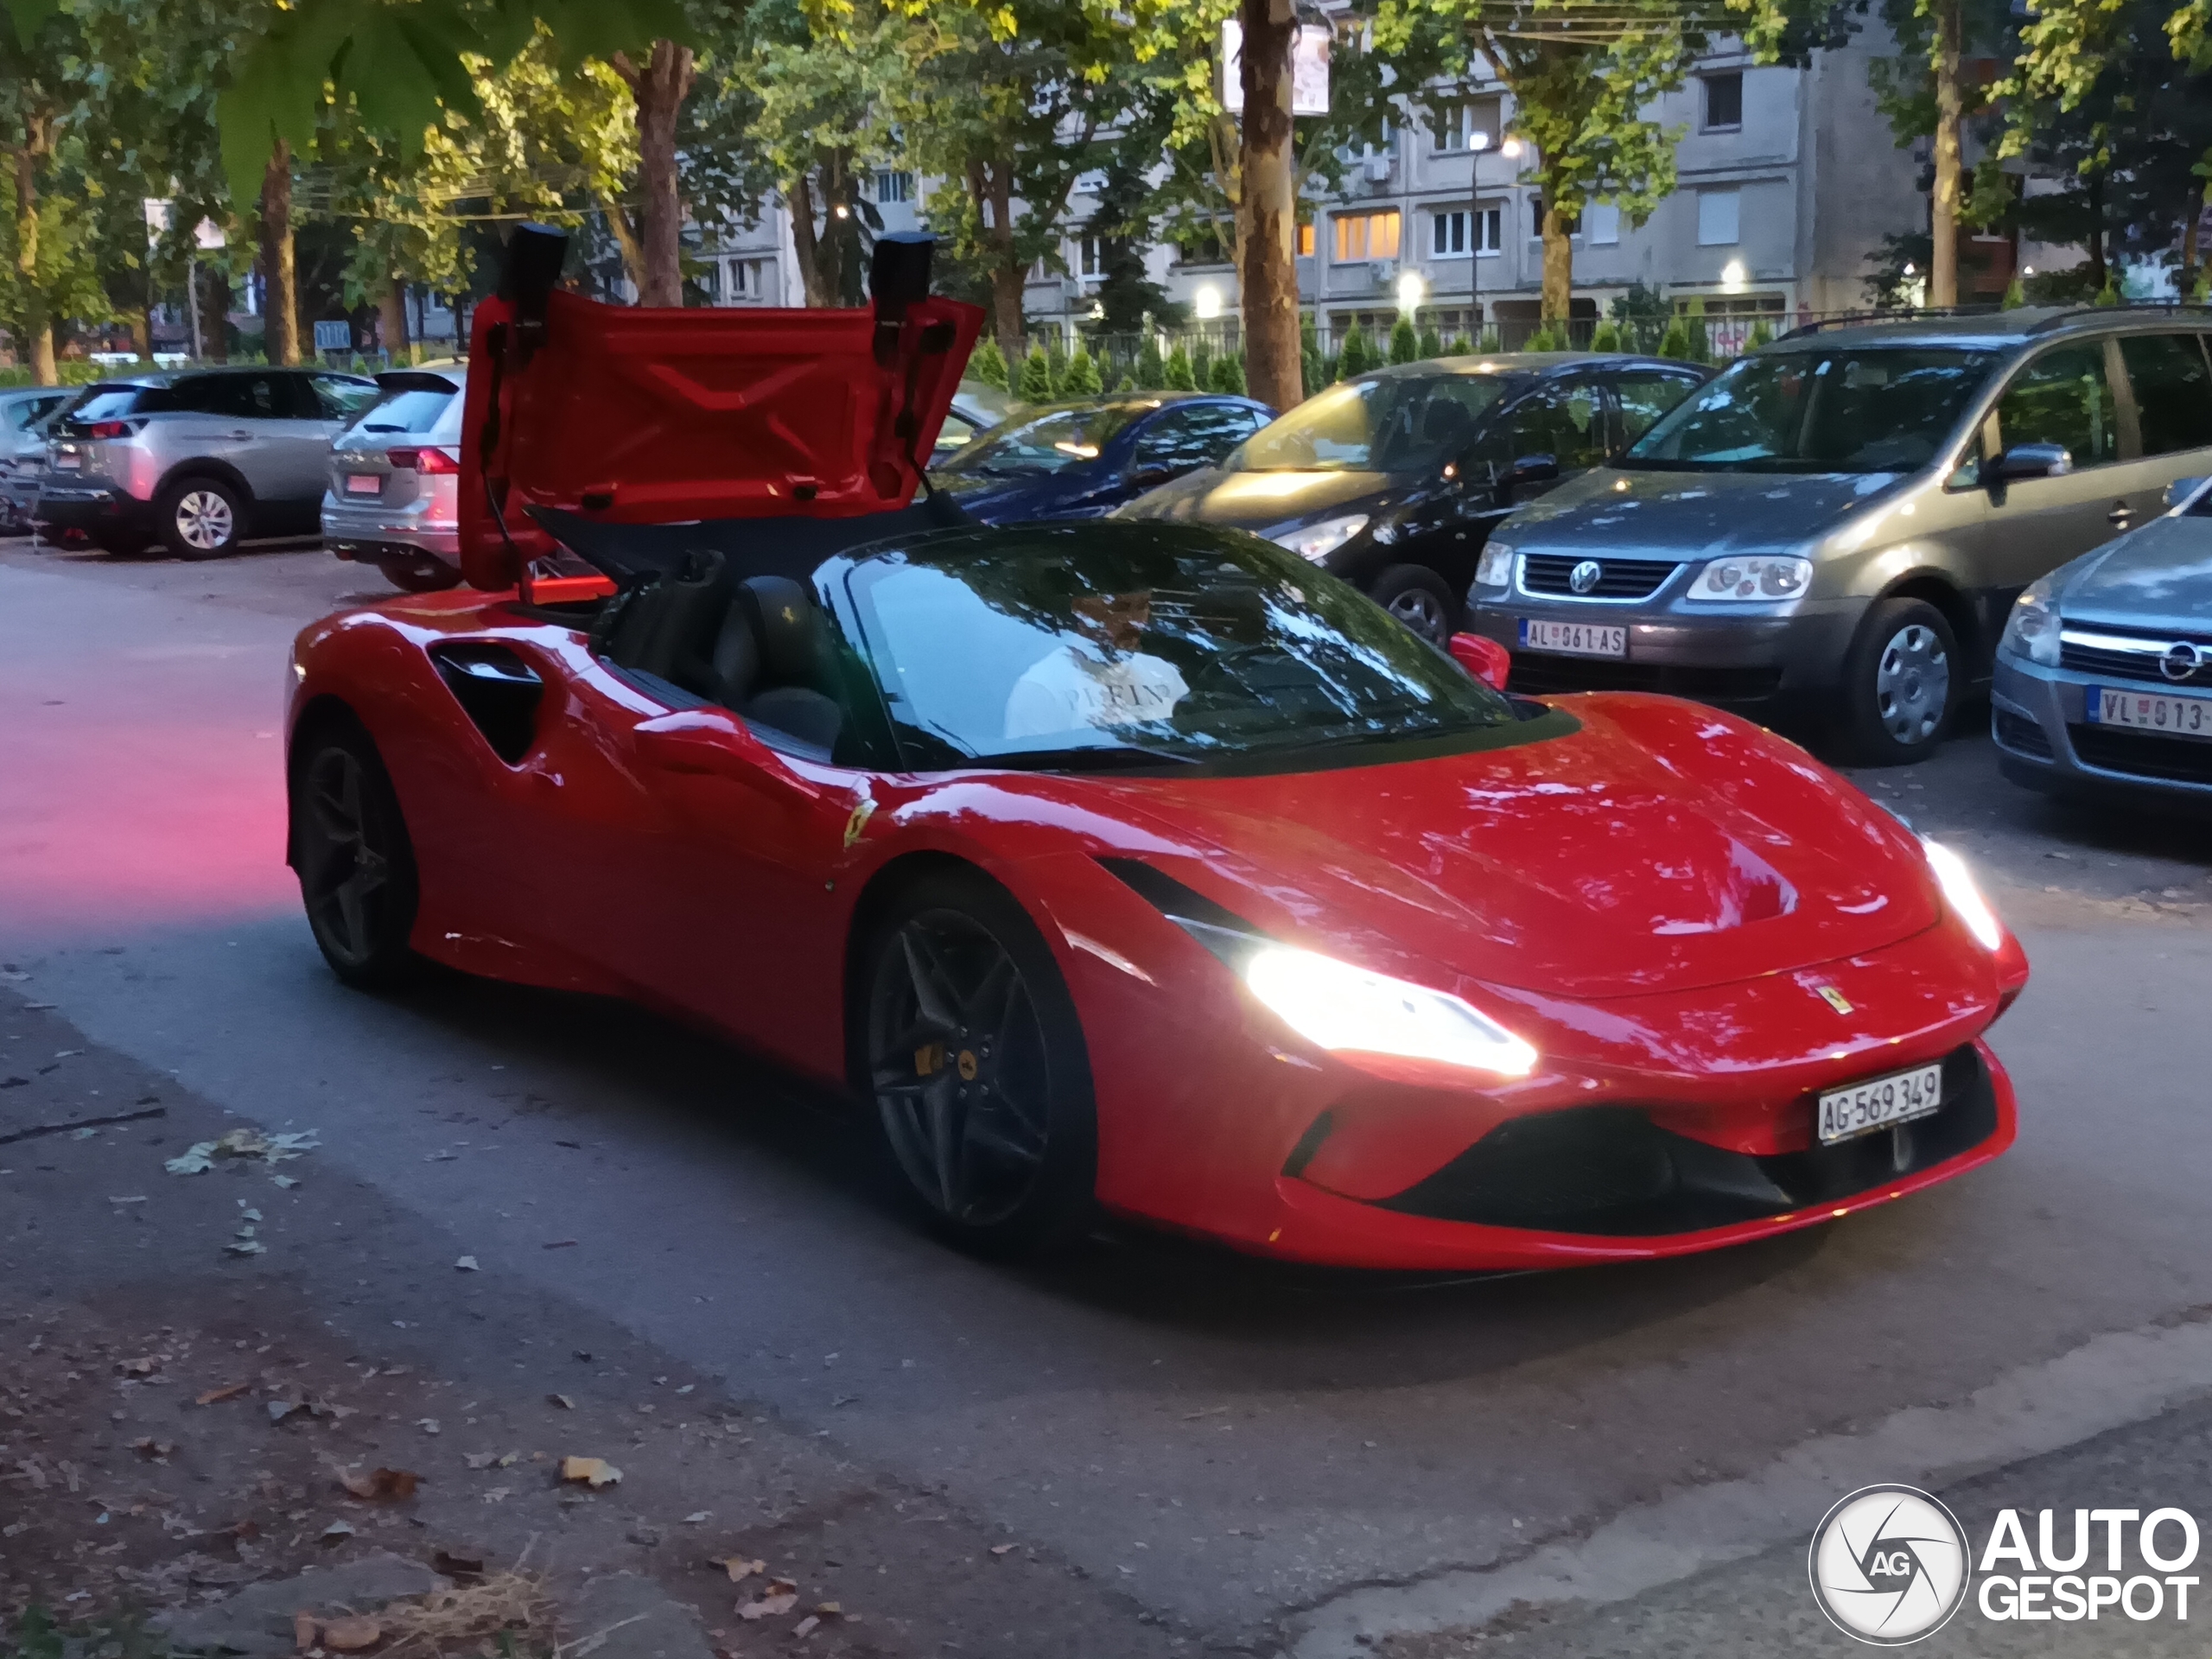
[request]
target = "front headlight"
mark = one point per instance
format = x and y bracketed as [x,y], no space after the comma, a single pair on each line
[1963,895]
[2031,631]
[1755,581]
[1495,567]
[1317,542]
[1336,1006]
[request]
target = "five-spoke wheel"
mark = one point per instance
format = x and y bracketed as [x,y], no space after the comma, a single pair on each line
[976,1066]
[356,867]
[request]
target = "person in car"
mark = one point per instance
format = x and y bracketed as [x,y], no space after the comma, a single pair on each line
[1099,679]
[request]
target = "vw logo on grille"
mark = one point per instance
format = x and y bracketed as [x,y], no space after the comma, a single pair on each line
[1583,579]
[2181,661]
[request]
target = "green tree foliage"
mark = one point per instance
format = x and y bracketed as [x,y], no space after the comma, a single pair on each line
[1201,364]
[1405,345]
[1175,374]
[1491,341]
[1150,373]
[1036,378]
[988,365]
[1675,342]
[1082,378]
[1544,340]
[1357,359]
[1228,374]
[1431,343]
[1762,334]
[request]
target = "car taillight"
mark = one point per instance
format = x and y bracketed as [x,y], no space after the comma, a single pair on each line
[423,460]
[108,429]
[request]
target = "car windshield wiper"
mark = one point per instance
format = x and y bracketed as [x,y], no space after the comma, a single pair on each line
[1099,756]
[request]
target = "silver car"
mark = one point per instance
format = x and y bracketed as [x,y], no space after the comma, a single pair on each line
[391,498]
[197,459]
[23,415]
[2104,673]
[1835,528]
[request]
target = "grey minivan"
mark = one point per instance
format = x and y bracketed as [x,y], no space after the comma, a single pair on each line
[1836,527]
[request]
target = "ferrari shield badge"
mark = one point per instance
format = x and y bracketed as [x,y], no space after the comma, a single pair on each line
[1834,998]
[863,809]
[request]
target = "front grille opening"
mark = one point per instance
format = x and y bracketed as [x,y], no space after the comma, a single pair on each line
[1610,1172]
[2081,658]
[2021,735]
[1554,573]
[2143,754]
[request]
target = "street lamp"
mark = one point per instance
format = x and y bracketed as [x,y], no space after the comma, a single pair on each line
[1732,276]
[1410,289]
[1207,302]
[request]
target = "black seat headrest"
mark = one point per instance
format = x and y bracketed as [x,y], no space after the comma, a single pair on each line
[787,628]
[1445,420]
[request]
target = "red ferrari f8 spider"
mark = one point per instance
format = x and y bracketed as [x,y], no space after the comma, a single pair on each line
[1125,867]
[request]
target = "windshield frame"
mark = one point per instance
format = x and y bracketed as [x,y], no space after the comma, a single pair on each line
[1942,456]
[918,752]
[1509,385]
[968,460]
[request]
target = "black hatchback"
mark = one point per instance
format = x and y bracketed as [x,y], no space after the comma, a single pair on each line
[1394,481]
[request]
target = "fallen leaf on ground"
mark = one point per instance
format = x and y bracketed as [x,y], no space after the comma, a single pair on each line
[246,1246]
[242,1143]
[352,1635]
[781,1598]
[144,1366]
[336,1533]
[304,1630]
[738,1567]
[158,1450]
[697,1516]
[459,1561]
[216,1397]
[831,1609]
[380,1483]
[592,1472]
[1001,1549]
[563,1401]
[280,1409]
[805,1626]
[497,1494]
[466,1264]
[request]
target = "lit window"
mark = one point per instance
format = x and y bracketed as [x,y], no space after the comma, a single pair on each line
[1306,240]
[1367,236]
[1718,217]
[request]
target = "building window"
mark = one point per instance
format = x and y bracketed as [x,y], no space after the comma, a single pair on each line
[894,186]
[1724,101]
[1471,125]
[1091,259]
[1537,220]
[1490,230]
[740,279]
[1718,217]
[1447,235]
[1367,236]
[1601,224]
[1306,240]
[1451,233]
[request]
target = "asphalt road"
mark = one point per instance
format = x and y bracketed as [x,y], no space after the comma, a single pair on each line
[1232,1455]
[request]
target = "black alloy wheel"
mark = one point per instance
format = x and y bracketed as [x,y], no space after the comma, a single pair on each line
[1420,599]
[976,1062]
[356,866]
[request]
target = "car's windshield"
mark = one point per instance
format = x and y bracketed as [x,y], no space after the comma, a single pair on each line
[415,410]
[1113,643]
[1853,410]
[1043,443]
[1391,423]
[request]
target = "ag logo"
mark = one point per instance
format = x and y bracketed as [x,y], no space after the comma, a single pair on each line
[1889,1566]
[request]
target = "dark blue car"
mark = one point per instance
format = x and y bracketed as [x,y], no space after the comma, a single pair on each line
[1082,460]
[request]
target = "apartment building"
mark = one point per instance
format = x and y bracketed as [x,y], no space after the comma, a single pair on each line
[1787,182]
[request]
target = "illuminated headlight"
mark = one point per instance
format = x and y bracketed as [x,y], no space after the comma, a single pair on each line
[1317,542]
[1495,567]
[1336,1006]
[2031,631]
[1752,581]
[1963,895]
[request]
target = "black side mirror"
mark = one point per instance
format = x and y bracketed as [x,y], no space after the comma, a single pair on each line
[1146,478]
[1533,469]
[2021,461]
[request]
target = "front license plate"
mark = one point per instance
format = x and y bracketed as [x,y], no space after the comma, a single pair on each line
[1865,1107]
[1574,638]
[67,463]
[364,484]
[2150,711]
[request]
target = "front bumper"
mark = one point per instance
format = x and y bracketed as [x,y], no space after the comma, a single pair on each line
[88,507]
[2038,717]
[372,532]
[1752,660]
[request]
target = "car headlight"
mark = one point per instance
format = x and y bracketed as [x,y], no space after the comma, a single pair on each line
[1317,542]
[1495,567]
[2031,631]
[1336,1006]
[1753,580]
[1963,895]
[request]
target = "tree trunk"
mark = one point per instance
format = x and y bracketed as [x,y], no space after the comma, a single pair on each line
[281,314]
[2191,230]
[1267,211]
[1943,216]
[141,331]
[659,87]
[805,244]
[1559,267]
[215,312]
[990,190]
[626,239]
[392,318]
[37,346]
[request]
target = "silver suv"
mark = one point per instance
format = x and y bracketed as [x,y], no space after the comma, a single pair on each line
[1835,528]
[198,459]
[393,500]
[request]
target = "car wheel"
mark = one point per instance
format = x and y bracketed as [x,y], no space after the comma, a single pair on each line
[356,865]
[976,1064]
[422,574]
[1901,683]
[201,518]
[1420,598]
